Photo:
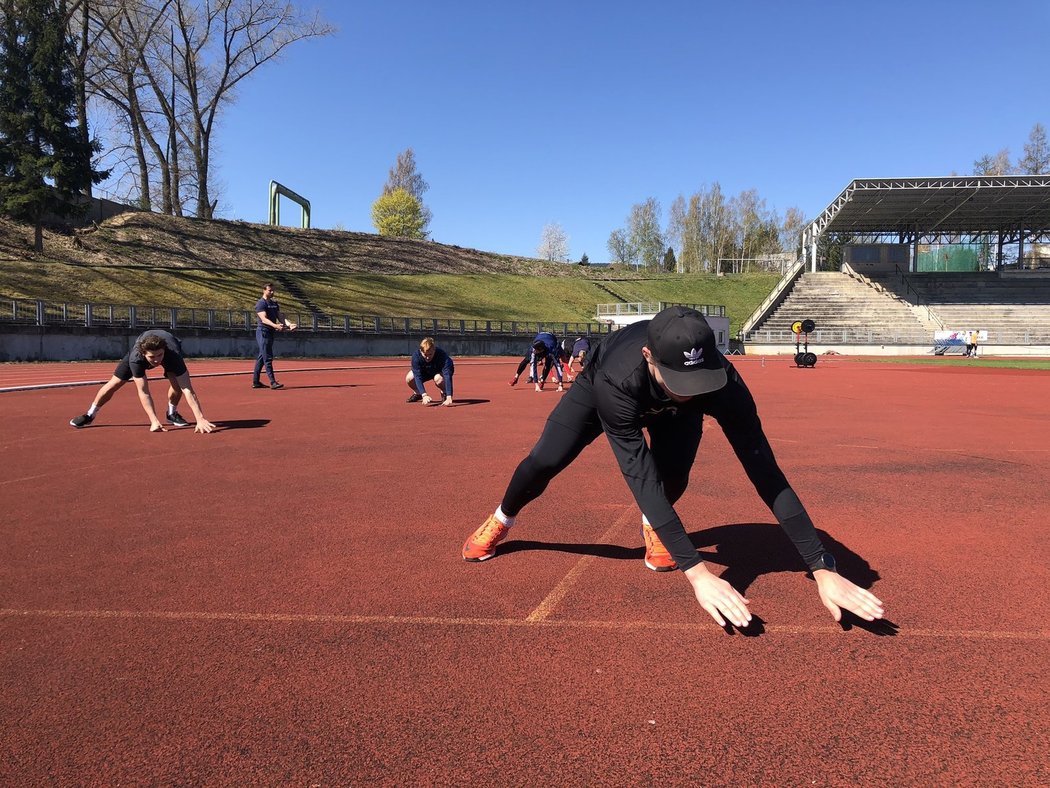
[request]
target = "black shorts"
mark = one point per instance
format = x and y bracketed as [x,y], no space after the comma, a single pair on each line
[172,366]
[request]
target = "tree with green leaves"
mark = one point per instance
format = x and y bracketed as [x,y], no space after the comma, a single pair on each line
[403,175]
[398,214]
[45,164]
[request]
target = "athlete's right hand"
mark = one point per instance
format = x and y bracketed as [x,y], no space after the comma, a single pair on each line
[718,598]
[158,427]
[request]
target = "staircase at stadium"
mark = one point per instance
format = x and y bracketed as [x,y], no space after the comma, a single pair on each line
[899,314]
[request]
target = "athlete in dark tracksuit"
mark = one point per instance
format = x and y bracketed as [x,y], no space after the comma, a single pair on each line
[619,394]
[544,349]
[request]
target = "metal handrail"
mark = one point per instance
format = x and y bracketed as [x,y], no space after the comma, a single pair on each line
[44,313]
[789,277]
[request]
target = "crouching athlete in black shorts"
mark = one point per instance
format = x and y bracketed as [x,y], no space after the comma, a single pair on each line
[664,376]
[154,348]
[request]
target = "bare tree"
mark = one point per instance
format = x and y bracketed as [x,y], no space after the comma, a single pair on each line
[171,66]
[620,248]
[645,237]
[554,244]
[1036,159]
[676,221]
[791,230]
[999,164]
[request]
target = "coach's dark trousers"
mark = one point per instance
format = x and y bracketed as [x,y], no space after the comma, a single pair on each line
[265,358]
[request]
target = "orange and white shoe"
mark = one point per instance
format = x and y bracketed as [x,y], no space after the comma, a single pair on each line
[656,556]
[481,545]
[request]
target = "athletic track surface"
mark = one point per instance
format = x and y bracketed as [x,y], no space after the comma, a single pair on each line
[282,602]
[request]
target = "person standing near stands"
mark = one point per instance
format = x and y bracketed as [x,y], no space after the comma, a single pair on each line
[429,362]
[154,348]
[270,319]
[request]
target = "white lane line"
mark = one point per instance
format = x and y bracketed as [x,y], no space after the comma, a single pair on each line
[452,621]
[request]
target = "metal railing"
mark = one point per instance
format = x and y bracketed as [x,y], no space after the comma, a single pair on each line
[860,336]
[629,309]
[763,309]
[46,313]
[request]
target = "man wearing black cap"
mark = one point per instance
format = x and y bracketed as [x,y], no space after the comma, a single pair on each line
[664,376]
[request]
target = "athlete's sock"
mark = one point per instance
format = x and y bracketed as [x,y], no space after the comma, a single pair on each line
[93,410]
[505,519]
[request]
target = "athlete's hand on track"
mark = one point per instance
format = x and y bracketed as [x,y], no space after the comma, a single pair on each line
[718,598]
[836,592]
[203,425]
[158,427]
[426,399]
[448,401]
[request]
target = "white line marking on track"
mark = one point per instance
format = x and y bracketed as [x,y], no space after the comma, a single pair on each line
[441,621]
[544,609]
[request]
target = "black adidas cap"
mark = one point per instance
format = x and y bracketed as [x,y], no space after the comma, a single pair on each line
[683,346]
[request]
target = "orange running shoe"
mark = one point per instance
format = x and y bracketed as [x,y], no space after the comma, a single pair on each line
[656,556]
[482,543]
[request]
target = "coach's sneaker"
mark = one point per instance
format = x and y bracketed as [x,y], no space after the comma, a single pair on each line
[177,420]
[656,556]
[81,421]
[482,543]
[275,385]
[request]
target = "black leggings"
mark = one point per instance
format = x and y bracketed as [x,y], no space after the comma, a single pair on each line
[573,425]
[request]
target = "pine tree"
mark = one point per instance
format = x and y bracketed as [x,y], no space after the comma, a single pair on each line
[670,263]
[45,165]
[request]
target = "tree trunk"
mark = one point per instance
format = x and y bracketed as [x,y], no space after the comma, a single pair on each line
[135,119]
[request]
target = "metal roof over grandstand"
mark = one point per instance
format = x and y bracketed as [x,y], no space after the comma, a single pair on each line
[1010,208]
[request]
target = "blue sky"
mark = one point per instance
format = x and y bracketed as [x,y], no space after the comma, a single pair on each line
[521,114]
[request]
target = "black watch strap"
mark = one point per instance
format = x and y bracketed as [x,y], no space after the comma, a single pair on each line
[825,561]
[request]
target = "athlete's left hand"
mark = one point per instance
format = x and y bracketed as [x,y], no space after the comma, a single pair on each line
[836,592]
[203,425]
[426,399]
[448,401]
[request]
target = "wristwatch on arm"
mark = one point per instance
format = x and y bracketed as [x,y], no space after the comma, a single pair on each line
[825,561]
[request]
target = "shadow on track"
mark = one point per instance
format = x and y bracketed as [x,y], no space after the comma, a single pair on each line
[748,551]
[294,387]
[241,424]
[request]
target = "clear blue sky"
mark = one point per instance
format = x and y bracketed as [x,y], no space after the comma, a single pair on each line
[522,114]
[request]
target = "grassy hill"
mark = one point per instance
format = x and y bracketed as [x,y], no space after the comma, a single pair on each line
[149,259]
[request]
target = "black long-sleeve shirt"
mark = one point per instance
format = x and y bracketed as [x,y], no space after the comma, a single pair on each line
[626,398]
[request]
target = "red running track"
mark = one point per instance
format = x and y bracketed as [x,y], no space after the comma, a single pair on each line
[283,601]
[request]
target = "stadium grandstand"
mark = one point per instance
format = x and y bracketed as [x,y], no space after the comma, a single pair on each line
[906,265]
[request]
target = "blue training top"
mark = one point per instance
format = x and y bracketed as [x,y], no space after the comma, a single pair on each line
[423,370]
[549,340]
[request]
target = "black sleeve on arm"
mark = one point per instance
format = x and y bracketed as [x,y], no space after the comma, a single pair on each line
[736,413]
[639,471]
